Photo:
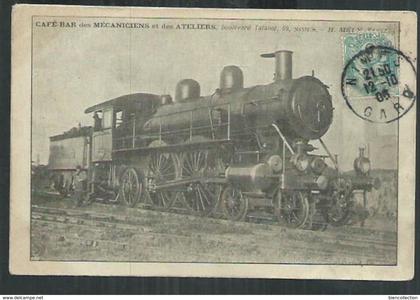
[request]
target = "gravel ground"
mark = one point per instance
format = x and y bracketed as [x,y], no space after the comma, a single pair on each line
[170,237]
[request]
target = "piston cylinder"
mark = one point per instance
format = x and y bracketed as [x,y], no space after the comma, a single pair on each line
[255,177]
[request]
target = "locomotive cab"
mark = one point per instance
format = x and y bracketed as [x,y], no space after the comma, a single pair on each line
[102,134]
[117,120]
[115,123]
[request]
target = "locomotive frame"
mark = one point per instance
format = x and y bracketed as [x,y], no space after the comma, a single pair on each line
[237,150]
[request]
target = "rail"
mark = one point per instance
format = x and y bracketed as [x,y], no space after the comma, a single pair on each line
[217,118]
[285,144]
[333,160]
[213,121]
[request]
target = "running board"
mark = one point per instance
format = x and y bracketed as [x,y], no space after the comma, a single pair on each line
[185,181]
[172,147]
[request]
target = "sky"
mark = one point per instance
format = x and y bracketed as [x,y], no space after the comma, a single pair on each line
[74,68]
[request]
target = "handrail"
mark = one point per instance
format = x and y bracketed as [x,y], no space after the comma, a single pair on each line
[134,133]
[228,121]
[283,138]
[329,154]
[174,131]
[211,124]
[160,133]
[216,105]
[226,106]
[285,144]
[204,107]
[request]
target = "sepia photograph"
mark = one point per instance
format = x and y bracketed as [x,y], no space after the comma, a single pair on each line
[214,143]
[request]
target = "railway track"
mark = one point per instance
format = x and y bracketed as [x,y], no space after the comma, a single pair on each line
[253,217]
[257,219]
[327,243]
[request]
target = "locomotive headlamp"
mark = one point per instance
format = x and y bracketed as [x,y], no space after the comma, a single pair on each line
[318,165]
[365,165]
[362,165]
[301,162]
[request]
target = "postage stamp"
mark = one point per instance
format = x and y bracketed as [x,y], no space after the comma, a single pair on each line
[213,143]
[371,83]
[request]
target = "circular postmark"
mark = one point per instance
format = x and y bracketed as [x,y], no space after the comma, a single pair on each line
[379,84]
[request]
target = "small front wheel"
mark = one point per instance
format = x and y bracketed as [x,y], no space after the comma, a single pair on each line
[294,210]
[234,204]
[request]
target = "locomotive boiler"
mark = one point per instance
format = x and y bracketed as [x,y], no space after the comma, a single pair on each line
[237,151]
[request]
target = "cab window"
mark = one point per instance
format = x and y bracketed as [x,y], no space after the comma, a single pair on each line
[107,119]
[118,118]
[97,120]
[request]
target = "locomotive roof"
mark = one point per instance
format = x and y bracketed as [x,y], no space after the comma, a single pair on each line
[126,100]
[73,132]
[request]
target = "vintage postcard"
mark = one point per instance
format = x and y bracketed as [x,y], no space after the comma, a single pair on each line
[213,143]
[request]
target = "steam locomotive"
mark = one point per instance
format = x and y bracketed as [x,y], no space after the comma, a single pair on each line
[239,150]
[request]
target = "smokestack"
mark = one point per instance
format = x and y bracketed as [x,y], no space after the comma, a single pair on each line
[283,64]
